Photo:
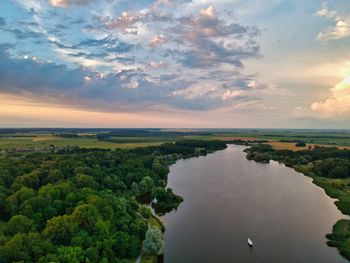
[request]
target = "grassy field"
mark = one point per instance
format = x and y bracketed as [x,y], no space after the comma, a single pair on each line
[341,138]
[149,259]
[279,139]
[284,139]
[45,140]
[291,146]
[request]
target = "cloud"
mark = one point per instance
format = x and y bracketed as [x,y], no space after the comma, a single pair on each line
[2,21]
[210,41]
[341,28]
[157,41]
[23,34]
[65,3]
[126,22]
[231,94]
[106,56]
[338,102]
[157,64]
[128,90]
[109,44]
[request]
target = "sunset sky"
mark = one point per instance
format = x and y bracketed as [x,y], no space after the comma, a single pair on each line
[167,63]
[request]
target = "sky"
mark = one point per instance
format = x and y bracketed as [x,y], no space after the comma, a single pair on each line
[167,63]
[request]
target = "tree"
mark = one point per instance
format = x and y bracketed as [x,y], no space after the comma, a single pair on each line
[19,224]
[70,254]
[30,180]
[145,211]
[13,202]
[55,175]
[300,144]
[25,247]
[61,229]
[83,180]
[153,243]
[86,216]
[92,254]
[145,185]
[134,189]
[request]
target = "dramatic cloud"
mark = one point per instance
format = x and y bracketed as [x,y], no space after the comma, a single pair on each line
[211,41]
[339,101]
[123,56]
[123,91]
[134,56]
[341,29]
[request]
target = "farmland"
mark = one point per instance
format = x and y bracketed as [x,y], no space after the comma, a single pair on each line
[133,138]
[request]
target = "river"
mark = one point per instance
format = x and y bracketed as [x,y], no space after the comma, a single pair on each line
[228,199]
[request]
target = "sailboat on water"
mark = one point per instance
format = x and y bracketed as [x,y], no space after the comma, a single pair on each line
[250,242]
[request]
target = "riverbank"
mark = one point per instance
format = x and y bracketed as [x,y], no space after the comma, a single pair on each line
[166,200]
[311,163]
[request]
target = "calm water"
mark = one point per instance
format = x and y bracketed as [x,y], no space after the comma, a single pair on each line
[228,199]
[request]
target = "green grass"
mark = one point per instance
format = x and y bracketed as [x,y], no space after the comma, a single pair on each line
[149,259]
[139,139]
[45,140]
[332,138]
[340,237]
[155,222]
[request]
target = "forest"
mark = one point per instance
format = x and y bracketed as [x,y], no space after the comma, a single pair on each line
[328,162]
[80,205]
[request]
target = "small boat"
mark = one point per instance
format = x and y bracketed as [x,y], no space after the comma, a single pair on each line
[250,242]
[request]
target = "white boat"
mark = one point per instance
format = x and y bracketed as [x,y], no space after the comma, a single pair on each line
[250,242]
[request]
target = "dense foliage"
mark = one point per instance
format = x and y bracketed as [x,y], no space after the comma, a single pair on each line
[79,205]
[340,236]
[323,161]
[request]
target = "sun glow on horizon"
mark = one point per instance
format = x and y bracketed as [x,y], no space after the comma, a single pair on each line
[346,80]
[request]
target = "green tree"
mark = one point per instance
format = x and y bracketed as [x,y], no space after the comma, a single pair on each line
[70,254]
[55,175]
[145,211]
[19,224]
[86,216]
[13,202]
[134,189]
[83,180]
[153,244]
[26,247]
[92,254]
[61,229]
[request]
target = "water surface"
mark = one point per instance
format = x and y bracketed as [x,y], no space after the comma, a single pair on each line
[228,199]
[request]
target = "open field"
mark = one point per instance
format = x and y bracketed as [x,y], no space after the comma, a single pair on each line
[220,137]
[45,140]
[279,139]
[341,138]
[291,146]
[284,139]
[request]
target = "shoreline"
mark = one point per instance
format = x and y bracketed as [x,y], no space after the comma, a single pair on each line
[341,229]
[145,200]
